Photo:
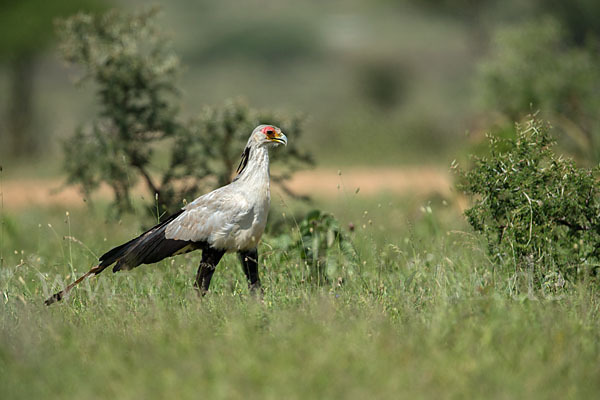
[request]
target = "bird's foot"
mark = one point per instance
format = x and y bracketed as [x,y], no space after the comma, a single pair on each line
[257,291]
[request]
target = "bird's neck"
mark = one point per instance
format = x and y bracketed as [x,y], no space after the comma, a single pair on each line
[256,168]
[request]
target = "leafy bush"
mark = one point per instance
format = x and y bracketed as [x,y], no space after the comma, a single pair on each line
[536,209]
[321,244]
[138,125]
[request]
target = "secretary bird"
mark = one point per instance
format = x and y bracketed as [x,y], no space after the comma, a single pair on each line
[229,219]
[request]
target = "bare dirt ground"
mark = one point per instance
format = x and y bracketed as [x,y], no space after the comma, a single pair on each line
[319,183]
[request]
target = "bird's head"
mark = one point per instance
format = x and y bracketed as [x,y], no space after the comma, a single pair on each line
[267,135]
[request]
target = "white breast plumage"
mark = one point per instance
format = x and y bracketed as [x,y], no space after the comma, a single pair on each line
[233,217]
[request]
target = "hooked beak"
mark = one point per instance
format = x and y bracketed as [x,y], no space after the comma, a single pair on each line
[280,138]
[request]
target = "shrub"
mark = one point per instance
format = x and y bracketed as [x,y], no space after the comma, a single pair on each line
[138,125]
[536,209]
[321,244]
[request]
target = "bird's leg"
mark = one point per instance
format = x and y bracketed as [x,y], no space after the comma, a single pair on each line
[249,261]
[210,259]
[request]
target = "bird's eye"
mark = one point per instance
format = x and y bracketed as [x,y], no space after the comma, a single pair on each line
[269,132]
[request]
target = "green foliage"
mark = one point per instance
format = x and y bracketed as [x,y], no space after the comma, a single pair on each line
[322,246]
[135,78]
[536,209]
[533,65]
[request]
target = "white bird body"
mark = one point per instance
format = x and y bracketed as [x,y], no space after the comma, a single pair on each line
[231,218]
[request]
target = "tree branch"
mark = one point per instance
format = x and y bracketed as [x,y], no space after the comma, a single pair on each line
[155,190]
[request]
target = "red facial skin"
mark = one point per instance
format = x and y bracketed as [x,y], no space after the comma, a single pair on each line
[269,131]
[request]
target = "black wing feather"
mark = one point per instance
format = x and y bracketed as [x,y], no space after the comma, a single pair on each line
[151,246]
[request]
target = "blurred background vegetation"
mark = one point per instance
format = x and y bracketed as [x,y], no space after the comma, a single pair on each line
[381,82]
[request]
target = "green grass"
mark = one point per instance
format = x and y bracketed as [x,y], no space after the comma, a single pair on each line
[423,315]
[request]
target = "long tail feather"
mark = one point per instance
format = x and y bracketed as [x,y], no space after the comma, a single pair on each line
[150,247]
[60,295]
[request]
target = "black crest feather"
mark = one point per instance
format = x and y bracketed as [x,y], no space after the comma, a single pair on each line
[244,160]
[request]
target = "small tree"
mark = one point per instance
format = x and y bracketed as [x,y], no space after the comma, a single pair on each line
[138,125]
[535,209]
